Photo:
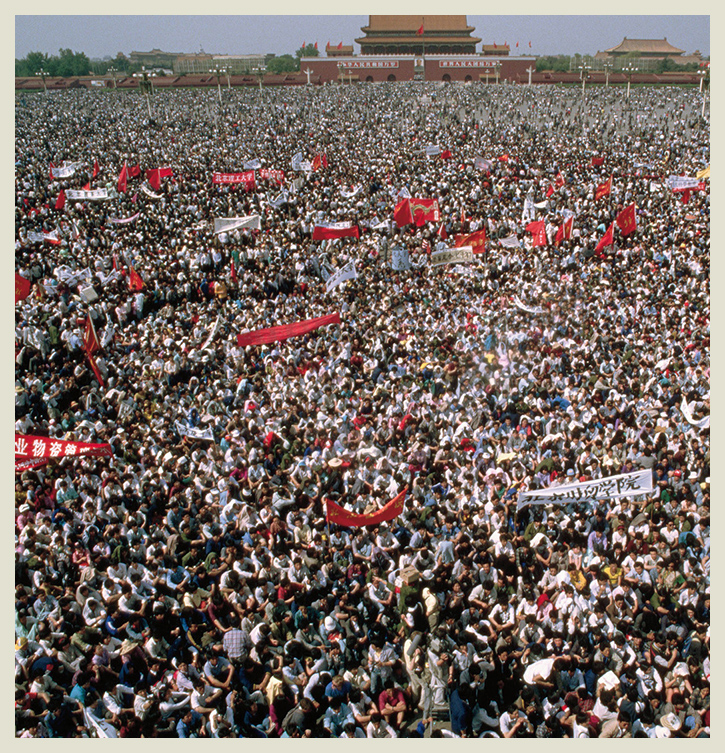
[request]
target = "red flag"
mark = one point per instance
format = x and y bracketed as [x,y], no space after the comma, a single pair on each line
[316,163]
[135,281]
[51,166]
[402,214]
[549,190]
[96,169]
[328,231]
[424,210]
[538,230]
[323,159]
[420,31]
[339,46]
[559,182]
[495,45]
[517,44]
[304,45]
[446,154]
[476,240]
[627,220]
[285,331]
[686,193]
[529,44]
[134,171]
[87,187]
[503,158]
[339,515]
[91,345]
[442,234]
[60,201]
[316,45]
[123,179]
[564,231]
[154,179]
[597,161]
[233,273]
[22,288]
[603,189]
[607,239]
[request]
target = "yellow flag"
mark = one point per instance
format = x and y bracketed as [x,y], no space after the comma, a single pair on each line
[704,173]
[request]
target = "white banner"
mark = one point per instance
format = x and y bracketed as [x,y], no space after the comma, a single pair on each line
[71,278]
[432,151]
[529,212]
[253,164]
[96,194]
[150,193]
[117,221]
[613,487]
[703,423]
[194,432]
[225,224]
[296,162]
[483,164]
[348,272]
[510,242]
[528,309]
[400,259]
[460,255]
[213,333]
[62,172]
[385,225]
[297,184]
[351,193]
[279,200]
[678,182]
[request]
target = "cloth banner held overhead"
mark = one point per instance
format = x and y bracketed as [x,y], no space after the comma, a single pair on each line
[246,179]
[483,164]
[253,164]
[528,309]
[510,242]
[703,423]
[340,516]
[150,193]
[400,259]
[460,255]
[276,175]
[285,331]
[613,487]
[117,221]
[432,151]
[213,333]
[28,446]
[96,194]
[29,464]
[329,231]
[226,224]
[194,432]
[348,272]
[680,182]
[63,172]
[529,212]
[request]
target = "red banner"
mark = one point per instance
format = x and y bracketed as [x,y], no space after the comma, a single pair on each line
[424,210]
[285,331]
[29,465]
[22,288]
[337,514]
[154,176]
[276,175]
[335,230]
[538,230]
[477,241]
[246,179]
[33,448]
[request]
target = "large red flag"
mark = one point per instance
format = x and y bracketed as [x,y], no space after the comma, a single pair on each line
[604,189]
[154,179]
[134,171]
[627,220]
[339,515]
[564,231]
[91,345]
[123,179]
[442,232]
[538,230]
[477,241]
[424,210]
[285,331]
[446,154]
[135,281]
[402,214]
[597,161]
[607,239]
[96,169]
[22,288]
[60,201]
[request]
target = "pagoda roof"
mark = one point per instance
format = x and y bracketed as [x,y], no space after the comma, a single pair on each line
[428,39]
[413,23]
[656,46]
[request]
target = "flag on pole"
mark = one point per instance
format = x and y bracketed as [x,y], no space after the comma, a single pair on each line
[603,189]
[135,281]
[60,201]
[22,288]
[340,516]
[96,169]
[476,240]
[627,220]
[538,230]
[402,214]
[91,346]
[606,240]
[123,179]
[420,31]
[442,233]
[564,231]
[597,161]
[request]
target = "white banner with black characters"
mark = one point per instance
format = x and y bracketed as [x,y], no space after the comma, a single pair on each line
[703,423]
[194,432]
[225,224]
[460,255]
[400,259]
[348,272]
[613,487]
[213,333]
[528,309]
[96,194]
[679,182]
[509,242]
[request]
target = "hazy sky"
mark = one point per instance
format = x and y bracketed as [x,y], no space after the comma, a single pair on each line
[99,36]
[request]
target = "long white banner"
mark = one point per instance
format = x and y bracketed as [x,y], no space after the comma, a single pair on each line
[150,193]
[528,309]
[460,255]
[348,272]
[613,487]
[225,224]
[97,194]
[676,182]
[194,432]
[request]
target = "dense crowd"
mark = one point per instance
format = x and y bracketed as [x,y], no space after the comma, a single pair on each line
[190,585]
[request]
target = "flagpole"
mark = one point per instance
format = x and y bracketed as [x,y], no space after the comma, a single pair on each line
[423,35]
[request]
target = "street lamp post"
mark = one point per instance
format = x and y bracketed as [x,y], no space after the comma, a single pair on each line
[341,73]
[43,74]
[530,70]
[259,72]
[584,73]
[113,71]
[145,85]
[218,73]
[629,71]
[607,69]
[497,68]
[308,71]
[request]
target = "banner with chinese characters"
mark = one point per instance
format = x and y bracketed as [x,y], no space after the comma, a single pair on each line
[613,487]
[342,517]
[246,179]
[348,272]
[31,447]
[461,255]
[97,194]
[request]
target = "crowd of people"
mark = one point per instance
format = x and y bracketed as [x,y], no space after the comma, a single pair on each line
[191,584]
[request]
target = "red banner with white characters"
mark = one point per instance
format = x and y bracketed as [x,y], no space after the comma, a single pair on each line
[32,447]
[275,175]
[285,331]
[246,179]
[339,515]
[29,464]
[329,231]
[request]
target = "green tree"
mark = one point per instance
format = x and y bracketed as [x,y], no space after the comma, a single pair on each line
[308,51]
[283,64]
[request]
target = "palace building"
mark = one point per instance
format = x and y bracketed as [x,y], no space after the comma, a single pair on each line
[417,35]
